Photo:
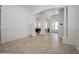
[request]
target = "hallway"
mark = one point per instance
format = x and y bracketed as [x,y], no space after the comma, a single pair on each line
[43,44]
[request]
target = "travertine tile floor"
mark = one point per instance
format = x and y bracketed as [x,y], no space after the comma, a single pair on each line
[42,44]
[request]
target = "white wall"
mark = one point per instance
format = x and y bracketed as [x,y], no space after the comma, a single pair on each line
[73,26]
[15,22]
[77,28]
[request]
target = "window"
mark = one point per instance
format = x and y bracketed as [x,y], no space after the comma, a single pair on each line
[56,25]
[37,24]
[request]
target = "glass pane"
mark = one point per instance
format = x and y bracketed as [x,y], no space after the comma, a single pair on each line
[56,25]
[35,24]
[39,25]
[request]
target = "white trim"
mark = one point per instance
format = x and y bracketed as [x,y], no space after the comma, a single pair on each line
[65,37]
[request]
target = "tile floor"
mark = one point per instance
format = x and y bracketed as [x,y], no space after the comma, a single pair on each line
[42,44]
